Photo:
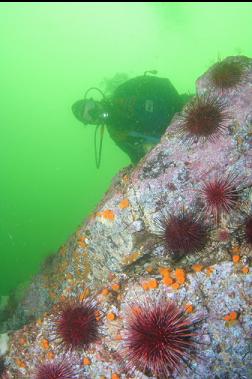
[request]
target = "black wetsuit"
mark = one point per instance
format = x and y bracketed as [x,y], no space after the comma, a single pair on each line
[140,111]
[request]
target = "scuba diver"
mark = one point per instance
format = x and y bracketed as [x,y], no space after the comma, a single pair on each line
[136,114]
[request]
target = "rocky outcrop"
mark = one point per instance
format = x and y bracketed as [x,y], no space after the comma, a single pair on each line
[176,228]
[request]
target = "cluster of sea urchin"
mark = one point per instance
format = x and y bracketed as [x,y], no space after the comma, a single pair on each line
[204,118]
[185,233]
[75,326]
[159,338]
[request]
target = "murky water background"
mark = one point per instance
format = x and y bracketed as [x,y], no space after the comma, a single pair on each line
[49,55]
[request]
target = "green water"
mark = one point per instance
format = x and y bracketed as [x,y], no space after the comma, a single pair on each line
[49,55]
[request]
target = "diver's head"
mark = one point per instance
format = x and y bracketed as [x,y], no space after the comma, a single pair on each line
[90,111]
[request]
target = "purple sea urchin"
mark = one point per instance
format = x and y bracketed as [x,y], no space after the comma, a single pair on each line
[204,118]
[55,370]
[183,233]
[220,194]
[227,75]
[159,338]
[77,325]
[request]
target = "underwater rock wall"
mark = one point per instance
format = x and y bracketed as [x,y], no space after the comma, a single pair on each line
[159,277]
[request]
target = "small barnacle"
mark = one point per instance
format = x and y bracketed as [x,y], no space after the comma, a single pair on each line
[124,203]
[115,287]
[105,291]
[153,283]
[165,271]
[50,355]
[180,275]
[209,271]
[20,363]
[86,361]
[150,284]
[233,315]
[168,281]
[111,316]
[115,376]
[44,344]
[245,270]
[145,285]
[108,214]
[236,258]
[197,267]
[175,285]
[189,308]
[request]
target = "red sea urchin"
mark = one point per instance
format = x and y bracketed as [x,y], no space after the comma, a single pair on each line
[204,118]
[159,338]
[183,233]
[55,370]
[227,75]
[220,194]
[77,324]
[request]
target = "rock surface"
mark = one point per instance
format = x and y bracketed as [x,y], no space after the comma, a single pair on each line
[118,257]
